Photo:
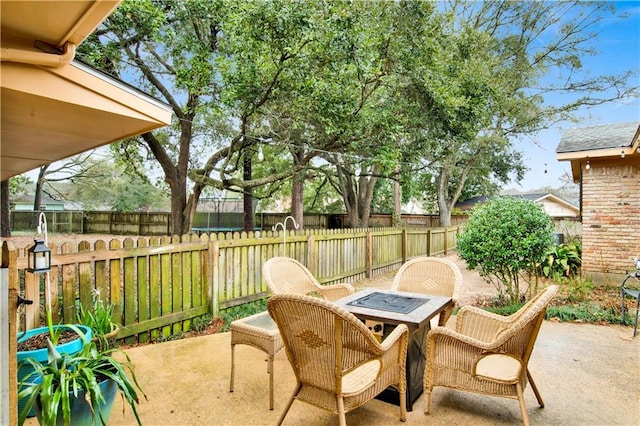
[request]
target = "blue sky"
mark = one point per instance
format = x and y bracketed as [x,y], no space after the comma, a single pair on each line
[619,47]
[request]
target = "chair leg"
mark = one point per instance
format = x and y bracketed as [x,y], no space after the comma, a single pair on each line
[233,367]
[286,409]
[624,322]
[403,406]
[270,372]
[341,414]
[427,400]
[535,389]
[635,325]
[523,407]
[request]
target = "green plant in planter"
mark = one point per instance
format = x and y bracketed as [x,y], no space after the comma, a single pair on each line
[69,384]
[100,319]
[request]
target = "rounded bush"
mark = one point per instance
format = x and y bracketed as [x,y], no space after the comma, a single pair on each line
[505,237]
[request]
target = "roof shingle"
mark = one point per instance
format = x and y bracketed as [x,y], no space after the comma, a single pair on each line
[598,137]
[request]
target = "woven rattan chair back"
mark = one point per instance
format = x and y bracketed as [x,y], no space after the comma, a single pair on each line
[285,275]
[430,275]
[520,337]
[338,363]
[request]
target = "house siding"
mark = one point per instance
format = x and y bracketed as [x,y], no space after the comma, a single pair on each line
[610,219]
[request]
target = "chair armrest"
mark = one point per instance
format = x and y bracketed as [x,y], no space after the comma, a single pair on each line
[634,276]
[480,324]
[446,313]
[438,334]
[335,291]
[394,354]
[455,350]
[400,332]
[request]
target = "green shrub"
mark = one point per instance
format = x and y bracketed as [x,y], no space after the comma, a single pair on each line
[587,312]
[563,260]
[200,324]
[505,238]
[575,289]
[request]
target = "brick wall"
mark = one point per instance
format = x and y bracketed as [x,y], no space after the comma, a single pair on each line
[610,218]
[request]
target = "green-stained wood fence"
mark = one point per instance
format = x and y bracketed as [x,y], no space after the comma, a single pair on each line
[160,284]
[159,223]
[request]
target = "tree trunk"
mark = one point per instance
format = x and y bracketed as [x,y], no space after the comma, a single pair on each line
[5,214]
[180,209]
[365,188]
[357,194]
[346,189]
[178,204]
[446,201]
[248,192]
[444,212]
[176,177]
[297,192]
[397,195]
[37,199]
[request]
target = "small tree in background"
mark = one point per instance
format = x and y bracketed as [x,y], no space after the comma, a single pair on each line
[504,239]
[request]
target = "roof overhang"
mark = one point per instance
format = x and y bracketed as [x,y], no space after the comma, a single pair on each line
[53,107]
[607,155]
[52,113]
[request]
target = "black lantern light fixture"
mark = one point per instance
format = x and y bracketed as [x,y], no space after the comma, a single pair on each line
[39,258]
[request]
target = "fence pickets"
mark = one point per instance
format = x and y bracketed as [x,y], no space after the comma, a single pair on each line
[159,223]
[160,284]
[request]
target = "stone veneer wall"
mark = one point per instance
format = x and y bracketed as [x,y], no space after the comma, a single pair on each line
[610,219]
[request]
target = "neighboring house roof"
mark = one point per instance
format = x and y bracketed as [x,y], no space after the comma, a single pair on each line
[25,202]
[608,141]
[52,105]
[25,198]
[567,208]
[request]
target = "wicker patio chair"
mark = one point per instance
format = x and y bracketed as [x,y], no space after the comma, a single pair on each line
[338,363]
[286,275]
[633,290]
[487,353]
[430,275]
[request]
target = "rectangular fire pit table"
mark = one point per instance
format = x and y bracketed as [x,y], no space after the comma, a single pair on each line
[382,311]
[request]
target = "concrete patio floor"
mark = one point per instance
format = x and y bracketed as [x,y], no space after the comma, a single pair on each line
[587,375]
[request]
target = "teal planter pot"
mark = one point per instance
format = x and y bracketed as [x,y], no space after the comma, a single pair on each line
[40,355]
[81,414]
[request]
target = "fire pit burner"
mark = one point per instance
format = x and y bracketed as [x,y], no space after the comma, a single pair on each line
[389,302]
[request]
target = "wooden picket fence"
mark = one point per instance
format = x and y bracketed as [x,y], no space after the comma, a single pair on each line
[160,284]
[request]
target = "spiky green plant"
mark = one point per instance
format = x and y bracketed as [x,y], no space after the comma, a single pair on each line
[61,379]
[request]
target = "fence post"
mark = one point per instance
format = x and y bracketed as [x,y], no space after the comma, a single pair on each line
[32,292]
[214,280]
[369,255]
[9,261]
[446,240]
[405,242]
[429,242]
[311,254]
